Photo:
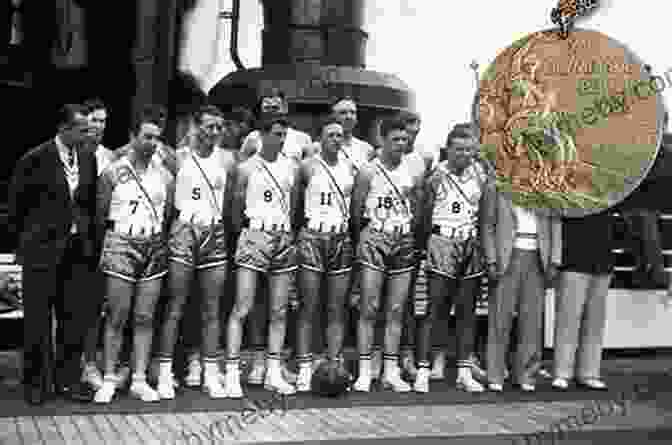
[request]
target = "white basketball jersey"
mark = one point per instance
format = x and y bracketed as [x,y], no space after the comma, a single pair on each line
[194,195]
[129,204]
[356,151]
[457,198]
[266,200]
[383,203]
[324,201]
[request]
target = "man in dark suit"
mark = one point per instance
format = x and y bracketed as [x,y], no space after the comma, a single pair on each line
[52,197]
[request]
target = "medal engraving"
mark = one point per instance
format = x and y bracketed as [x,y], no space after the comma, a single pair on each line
[570,123]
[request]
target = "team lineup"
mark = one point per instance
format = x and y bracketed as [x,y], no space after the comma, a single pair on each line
[196,248]
[310,212]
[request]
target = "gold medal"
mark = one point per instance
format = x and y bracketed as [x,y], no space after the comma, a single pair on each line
[570,118]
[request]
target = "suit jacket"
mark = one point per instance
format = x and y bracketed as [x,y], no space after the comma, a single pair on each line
[499,231]
[41,210]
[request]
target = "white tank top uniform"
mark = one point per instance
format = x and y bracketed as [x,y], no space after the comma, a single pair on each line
[200,186]
[138,201]
[356,151]
[328,196]
[268,195]
[457,202]
[387,204]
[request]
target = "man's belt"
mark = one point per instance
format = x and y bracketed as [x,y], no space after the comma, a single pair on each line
[461,233]
[195,218]
[260,224]
[325,227]
[133,229]
[400,229]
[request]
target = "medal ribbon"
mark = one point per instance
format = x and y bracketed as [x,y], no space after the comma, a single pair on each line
[213,194]
[344,207]
[568,11]
[142,188]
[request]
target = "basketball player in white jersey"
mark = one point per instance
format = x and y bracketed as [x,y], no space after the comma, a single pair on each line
[264,203]
[325,250]
[163,153]
[389,189]
[454,267]
[274,104]
[207,133]
[424,162]
[198,248]
[135,201]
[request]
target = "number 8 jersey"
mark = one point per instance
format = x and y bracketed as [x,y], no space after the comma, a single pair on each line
[457,198]
[269,187]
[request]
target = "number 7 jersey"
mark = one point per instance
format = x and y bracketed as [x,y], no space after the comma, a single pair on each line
[129,204]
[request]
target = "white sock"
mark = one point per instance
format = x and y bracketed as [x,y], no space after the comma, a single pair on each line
[464,373]
[365,365]
[210,368]
[273,365]
[165,368]
[391,364]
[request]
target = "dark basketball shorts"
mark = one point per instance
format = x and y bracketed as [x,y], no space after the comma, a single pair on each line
[200,245]
[266,251]
[325,252]
[389,252]
[454,258]
[134,258]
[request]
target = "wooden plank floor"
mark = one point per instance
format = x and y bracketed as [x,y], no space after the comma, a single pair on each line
[316,424]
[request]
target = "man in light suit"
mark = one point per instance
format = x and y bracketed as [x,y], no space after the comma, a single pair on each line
[523,248]
[51,218]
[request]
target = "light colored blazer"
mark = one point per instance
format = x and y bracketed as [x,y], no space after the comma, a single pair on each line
[499,226]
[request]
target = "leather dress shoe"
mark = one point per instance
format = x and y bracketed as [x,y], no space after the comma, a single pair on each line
[77,392]
[34,395]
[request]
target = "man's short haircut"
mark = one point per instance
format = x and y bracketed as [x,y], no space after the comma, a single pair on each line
[268,93]
[340,99]
[149,114]
[323,122]
[207,109]
[94,104]
[267,124]
[240,115]
[408,116]
[65,115]
[462,131]
[390,124]
[272,92]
